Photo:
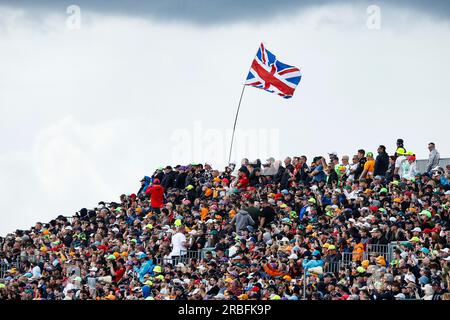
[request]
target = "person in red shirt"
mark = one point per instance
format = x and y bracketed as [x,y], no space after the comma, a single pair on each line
[117,270]
[156,193]
[242,181]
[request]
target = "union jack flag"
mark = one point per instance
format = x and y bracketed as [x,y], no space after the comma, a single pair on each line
[268,73]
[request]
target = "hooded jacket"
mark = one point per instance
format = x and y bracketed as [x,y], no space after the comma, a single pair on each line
[144,187]
[156,193]
[242,220]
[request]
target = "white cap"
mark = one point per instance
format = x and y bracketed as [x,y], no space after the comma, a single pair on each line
[447,193]
[416,229]
[293,256]
[68,228]
[400,296]
[445,250]
[392,219]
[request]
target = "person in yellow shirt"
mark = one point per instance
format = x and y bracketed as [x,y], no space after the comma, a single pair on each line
[369,167]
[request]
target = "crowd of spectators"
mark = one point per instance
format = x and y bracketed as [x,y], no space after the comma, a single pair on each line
[265,231]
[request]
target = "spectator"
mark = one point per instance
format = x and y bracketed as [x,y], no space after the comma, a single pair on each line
[156,193]
[381,162]
[433,158]
[242,220]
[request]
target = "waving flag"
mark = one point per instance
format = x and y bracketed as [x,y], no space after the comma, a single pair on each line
[268,73]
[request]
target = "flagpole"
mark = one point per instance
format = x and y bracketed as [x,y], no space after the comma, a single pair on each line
[235,121]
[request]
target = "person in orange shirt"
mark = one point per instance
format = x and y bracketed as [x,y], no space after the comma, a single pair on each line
[203,213]
[369,167]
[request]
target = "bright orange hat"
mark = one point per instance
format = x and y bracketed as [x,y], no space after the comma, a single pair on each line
[381,261]
[203,213]
[116,254]
[287,277]
[365,263]
[138,209]
[46,232]
[125,254]
[398,200]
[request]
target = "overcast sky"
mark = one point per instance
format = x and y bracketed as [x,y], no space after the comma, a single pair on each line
[85,113]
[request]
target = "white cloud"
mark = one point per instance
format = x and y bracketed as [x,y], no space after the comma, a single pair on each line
[86,113]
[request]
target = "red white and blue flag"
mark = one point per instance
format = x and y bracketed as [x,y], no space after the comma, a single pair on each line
[268,73]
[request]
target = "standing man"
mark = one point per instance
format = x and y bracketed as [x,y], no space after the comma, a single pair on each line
[433,158]
[400,146]
[179,243]
[156,193]
[242,220]
[168,180]
[381,162]
[369,167]
[361,162]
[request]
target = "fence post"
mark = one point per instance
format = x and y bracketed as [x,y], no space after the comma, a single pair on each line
[304,284]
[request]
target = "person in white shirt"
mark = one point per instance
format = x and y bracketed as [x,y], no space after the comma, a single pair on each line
[353,168]
[178,243]
[346,164]
[401,156]
[409,170]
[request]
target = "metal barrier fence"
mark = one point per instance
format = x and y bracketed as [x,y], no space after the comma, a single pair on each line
[421,164]
[173,260]
[5,266]
[186,256]
[332,267]
[379,250]
[191,254]
[207,249]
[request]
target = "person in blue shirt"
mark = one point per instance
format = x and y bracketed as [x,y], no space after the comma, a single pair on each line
[313,263]
[147,266]
[318,173]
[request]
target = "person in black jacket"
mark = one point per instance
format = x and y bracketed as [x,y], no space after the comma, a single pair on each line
[168,181]
[286,177]
[391,169]
[381,162]
[180,181]
[362,161]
